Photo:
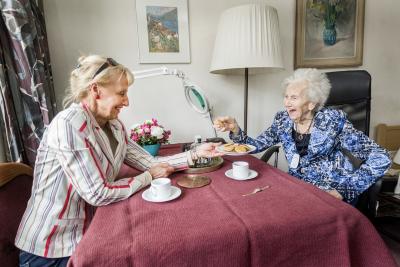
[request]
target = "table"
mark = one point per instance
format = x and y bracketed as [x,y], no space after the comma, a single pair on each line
[290,224]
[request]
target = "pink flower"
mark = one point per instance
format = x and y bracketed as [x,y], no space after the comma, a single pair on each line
[149,132]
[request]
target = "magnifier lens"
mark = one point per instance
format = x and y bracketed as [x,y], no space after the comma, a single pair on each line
[195,98]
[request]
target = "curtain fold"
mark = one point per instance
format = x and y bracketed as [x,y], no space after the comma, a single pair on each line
[27,102]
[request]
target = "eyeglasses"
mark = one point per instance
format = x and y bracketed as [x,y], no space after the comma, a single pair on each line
[109,62]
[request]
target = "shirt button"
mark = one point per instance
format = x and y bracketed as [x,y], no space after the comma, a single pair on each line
[302,170]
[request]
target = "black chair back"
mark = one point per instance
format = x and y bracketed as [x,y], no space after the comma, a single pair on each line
[351,92]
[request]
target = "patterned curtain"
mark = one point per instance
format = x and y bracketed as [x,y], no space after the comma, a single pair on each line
[27,100]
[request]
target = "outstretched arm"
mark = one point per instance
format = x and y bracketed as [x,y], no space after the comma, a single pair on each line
[265,140]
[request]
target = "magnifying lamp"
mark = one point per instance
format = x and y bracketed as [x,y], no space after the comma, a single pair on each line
[195,97]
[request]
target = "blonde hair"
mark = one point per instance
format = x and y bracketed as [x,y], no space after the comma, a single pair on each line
[318,88]
[85,74]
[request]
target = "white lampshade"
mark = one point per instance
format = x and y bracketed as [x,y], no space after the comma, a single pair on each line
[396,158]
[247,37]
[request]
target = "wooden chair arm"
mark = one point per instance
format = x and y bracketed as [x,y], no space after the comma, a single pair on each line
[10,170]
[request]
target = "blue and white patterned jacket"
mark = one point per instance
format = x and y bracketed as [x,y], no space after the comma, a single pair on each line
[325,165]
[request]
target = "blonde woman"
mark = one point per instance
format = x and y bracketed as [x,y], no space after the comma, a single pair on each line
[78,159]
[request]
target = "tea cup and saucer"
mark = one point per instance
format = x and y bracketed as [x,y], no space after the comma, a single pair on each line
[241,171]
[161,190]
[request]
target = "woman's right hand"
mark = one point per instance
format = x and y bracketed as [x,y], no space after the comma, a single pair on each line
[224,124]
[161,170]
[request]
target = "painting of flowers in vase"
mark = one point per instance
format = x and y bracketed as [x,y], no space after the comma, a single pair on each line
[329,33]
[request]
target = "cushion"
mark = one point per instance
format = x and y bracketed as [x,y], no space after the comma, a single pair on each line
[13,200]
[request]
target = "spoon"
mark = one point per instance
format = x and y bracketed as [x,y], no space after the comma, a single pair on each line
[256,190]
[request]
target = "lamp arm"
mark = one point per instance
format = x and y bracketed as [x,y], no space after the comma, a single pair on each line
[210,116]
[140,74]
[157,72]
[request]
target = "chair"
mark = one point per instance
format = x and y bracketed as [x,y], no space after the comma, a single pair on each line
[351,92]
[15,190]
[389,138]
[269,152]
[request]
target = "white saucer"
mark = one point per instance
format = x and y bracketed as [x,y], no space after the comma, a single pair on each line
[176,192]
[252,174]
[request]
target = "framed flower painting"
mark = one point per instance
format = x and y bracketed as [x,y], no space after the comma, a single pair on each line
[163,31]
[329,33]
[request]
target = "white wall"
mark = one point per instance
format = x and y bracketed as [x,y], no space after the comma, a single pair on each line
[109,28]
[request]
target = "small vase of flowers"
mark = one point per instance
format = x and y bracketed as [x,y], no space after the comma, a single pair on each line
[150,135]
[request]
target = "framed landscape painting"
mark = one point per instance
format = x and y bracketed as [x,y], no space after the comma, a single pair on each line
[163,31]
[329,33]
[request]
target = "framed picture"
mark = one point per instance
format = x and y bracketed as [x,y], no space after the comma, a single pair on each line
[163,31]
[329,33]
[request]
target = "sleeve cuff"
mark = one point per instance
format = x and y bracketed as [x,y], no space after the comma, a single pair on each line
[189,158]
[144,178]
[237,137]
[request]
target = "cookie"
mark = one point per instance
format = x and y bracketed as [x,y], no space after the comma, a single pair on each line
[229,147]
[241,148]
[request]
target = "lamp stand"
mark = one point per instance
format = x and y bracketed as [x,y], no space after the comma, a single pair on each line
[246,93]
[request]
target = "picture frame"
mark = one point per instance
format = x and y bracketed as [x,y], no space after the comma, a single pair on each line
[163,31]
[329,33]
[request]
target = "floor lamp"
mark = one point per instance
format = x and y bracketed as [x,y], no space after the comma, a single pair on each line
[247,42]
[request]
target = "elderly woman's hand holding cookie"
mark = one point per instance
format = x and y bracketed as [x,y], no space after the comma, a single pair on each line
[224,124]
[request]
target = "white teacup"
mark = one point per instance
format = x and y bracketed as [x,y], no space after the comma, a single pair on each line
[240,169]
[161,188]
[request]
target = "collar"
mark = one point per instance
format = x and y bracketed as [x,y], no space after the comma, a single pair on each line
[114,124]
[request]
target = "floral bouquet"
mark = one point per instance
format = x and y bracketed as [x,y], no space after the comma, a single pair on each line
[149,133]
[328,10]
[335,14]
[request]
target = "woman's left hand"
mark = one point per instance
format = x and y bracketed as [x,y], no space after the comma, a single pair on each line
[335,193]
[208,150]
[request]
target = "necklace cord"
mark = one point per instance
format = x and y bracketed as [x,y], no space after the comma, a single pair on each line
[300,135]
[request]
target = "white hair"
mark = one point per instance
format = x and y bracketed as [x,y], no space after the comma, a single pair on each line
[318,87]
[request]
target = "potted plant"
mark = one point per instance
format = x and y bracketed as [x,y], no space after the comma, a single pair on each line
[150,135]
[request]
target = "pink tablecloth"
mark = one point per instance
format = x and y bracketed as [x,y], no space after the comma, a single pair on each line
[290,224]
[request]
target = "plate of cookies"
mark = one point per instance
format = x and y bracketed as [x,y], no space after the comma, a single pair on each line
[232,149]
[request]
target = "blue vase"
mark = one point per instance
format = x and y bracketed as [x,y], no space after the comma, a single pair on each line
[152,149]
[329,35]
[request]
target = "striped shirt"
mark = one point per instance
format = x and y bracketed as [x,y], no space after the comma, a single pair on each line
[75,170]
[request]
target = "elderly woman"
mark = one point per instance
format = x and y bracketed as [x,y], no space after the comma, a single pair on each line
[78,160]
[314,139]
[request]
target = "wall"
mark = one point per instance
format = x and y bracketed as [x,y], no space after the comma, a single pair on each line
[109,28]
